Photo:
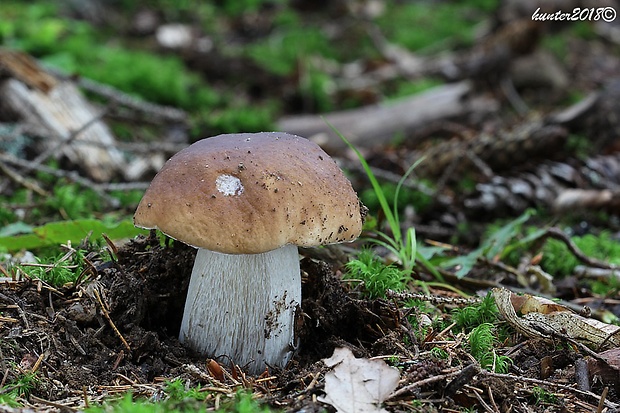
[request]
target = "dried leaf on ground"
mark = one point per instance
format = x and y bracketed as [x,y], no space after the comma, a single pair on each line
[605,369]
[358,385]
[540,317]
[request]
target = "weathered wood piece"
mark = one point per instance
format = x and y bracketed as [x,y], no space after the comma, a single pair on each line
[74,126]
[379,124]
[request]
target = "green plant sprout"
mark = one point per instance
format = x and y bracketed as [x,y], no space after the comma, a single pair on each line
[177,390]
[57,271]
[543,396]
[376,276]
[469,317]
[499,244]
[402,246]
[11,393]
[482,342]
[558,260]
[181,400]
[439,353]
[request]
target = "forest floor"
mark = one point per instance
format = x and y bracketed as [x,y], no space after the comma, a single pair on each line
[530,119]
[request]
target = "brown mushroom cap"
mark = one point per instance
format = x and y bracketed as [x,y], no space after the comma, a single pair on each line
[251,193]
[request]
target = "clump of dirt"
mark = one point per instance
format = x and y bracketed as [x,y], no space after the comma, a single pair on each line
[149,284]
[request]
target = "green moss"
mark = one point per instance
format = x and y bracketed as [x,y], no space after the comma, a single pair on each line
[7,216]
[182,400]
[128,199]
[241,118]
[57,272]
[482,342]
[73,201]
[559,261]
[66,201]
[281,52]
[76,47]
[161,79]
[467,318]
[607,287]
[377,276]
[542,396]
[420,25]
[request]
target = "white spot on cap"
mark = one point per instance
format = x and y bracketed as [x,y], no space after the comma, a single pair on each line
[229,185]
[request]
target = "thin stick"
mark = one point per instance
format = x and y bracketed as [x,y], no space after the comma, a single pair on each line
[45,155]
[595,396]
[5,272]
[74,176]
[601,402]
[85,395]
[420,383]
[484,404]
[162,112]
[23,181]
[561,236]
[59,406]
[37,364]
[107,316]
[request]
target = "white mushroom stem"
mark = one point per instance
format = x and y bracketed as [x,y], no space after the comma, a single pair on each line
[243,306]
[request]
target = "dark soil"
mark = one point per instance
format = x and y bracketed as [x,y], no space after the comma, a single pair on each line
[116,331]
[134,338]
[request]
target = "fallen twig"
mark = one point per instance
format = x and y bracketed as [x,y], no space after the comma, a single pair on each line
[408,388]
[558,234]
[546,383]
[378,124]
[23,181]
[165,113]
[105,313]
[100,189]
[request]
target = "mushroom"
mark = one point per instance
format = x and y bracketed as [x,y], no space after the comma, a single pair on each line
[246,201]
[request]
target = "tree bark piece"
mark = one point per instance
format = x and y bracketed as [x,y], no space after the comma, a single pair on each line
[58,107]
[379,124]
[66,115]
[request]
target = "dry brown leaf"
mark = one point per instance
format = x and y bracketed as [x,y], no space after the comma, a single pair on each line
[606,369]
[357,385]
[544,318]
[527,303]
[215,369]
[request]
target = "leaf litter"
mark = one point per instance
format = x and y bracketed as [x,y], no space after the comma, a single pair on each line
[358,385]
[116,331]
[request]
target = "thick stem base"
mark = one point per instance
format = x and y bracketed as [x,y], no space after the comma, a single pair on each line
[243,307]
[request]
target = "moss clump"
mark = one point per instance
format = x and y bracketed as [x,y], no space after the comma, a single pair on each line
[376,276]
[559,261]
